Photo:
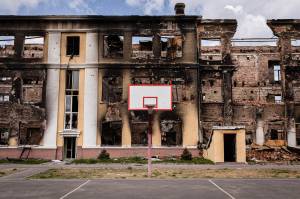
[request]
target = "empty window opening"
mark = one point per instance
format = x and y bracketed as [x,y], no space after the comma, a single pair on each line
[4,97]
[71,100]
[278,99]
[277,76]
[5,80]
[112,89]
[171,47]
[73,46]
[111,133]
[295,42]
[210,42]
[203,96]
[4,136]
[274,98]
[139,132]
[31,136]
[33,47]
[274,134]
[7,48]
[229,147]
[69,147]
[142,47]
[171,129]
[113,46]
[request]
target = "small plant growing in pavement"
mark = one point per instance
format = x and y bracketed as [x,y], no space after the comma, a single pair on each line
[186,155]
[104,155]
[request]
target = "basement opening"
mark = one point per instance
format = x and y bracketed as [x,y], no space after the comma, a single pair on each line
[229,147]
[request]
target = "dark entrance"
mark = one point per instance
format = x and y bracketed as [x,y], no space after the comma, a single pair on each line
[69,147]
[229,147]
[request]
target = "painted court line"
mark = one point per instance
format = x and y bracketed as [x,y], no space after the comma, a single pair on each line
[228,194]
[67,194]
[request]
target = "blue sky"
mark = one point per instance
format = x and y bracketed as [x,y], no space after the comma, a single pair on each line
[250,14]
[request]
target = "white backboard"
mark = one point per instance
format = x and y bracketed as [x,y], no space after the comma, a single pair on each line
[142,96]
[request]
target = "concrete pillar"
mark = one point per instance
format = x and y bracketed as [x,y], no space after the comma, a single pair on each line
[190,47]
[52,91]
[19,44]
[156,46]
[90,127]
[90,108]
[260,136]
[291,134]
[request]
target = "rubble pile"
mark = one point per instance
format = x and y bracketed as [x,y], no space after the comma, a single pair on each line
[265,153]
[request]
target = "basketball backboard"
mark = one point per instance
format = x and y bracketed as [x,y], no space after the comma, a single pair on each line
[144,96]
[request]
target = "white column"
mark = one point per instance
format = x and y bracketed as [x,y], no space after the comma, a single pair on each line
[260,136]
[291,134]
[91,93]
[52,91]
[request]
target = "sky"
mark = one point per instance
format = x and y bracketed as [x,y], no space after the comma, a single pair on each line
[250,14]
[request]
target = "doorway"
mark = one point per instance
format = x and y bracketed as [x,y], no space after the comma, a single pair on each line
[229,147]
[69,147]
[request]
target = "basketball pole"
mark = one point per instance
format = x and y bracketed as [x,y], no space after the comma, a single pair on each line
[150,143]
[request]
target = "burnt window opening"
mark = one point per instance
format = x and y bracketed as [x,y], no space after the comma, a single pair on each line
[71,99]
[4,136]
[171,47]
[274,71]
[5,80]
[274,134]
[4,97]
[32,90]
[113,46]
[142,47]
[171,129]
[73,46]
[211,82]
[111,134]
[7,46]
[139,134]
[295,42]
[235,83]
[34,47]
[210,42]
[277,76]
[298,133]
[31,136]
[112,89]
[274,98]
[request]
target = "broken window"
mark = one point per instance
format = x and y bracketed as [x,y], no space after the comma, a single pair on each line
[139,133]
[113,46]
[295,42]
[112,89]
[33,47]
[171,129]
[4,136]
[210,42]
[31,136]
[277,76]
[7,48]
[4,97]
[274,98]
[142,47]
[171,47]
[71,100]
[111,134]
[73,45]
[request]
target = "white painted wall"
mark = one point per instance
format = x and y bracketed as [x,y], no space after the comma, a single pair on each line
[260,136]
[52,91]
[90,107]
[91,93]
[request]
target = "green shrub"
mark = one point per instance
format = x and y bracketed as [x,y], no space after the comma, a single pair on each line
[186,155]
[104,155]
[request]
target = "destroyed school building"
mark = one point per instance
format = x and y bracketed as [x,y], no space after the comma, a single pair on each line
[64,85]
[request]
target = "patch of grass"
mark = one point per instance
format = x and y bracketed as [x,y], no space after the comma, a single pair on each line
[4,172]
[23,161]
[163,173]
[141,160]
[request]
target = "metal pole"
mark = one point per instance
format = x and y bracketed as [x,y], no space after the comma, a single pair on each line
[150,146]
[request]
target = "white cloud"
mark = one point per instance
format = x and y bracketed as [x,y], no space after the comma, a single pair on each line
[13,6]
